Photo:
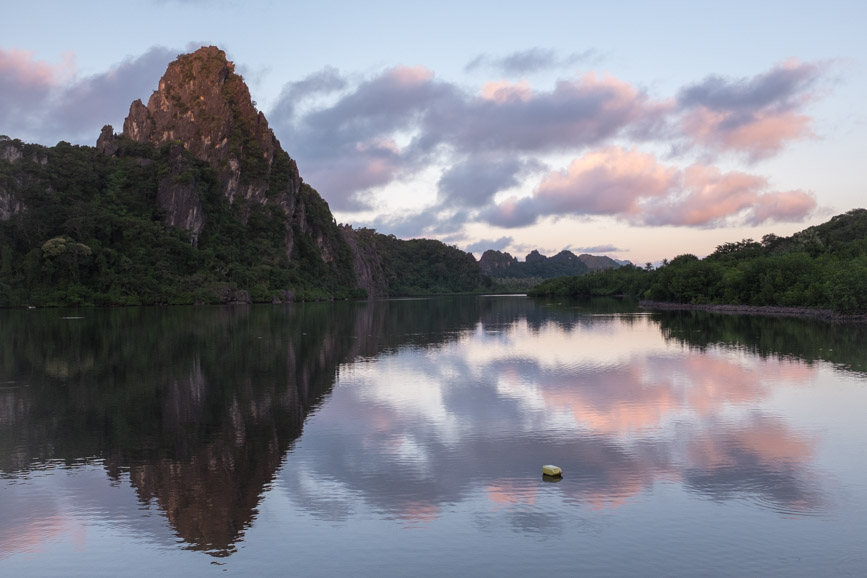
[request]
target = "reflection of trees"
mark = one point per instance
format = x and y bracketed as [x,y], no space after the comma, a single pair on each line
[610,432]
[197,405]
[809,340]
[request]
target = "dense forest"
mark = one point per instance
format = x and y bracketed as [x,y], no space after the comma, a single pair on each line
[822,267]
[93,233]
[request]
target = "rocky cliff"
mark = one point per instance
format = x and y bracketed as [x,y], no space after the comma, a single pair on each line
[204,106]
[14,151]
[494,263]
[504,266]
[195,201]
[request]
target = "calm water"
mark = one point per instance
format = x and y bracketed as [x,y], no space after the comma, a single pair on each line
[407,438]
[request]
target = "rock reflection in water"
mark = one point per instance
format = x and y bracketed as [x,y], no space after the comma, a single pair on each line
[197,408]
[442,402]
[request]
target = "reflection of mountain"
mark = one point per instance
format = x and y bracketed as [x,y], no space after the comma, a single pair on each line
[197,406]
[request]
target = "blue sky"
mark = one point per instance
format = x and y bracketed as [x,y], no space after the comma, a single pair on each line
[634,129]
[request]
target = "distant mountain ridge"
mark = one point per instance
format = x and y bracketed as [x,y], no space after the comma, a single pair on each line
[501,265]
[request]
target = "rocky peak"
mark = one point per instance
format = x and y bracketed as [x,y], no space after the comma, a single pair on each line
[202,103]
[107,143]
[598,262]
[535,257]
[565,256]
[495,261]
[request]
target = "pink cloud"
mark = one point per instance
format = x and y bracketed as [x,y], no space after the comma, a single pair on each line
[24,71]
[754,116]
[711,197]
[512,117]
[26,84]
[606,181]
[762,136]
[635,187]
[787,206]
[503,92]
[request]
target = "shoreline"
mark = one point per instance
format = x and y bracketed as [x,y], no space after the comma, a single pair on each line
[766,310]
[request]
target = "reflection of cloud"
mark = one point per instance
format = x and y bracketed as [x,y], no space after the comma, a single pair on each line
[508,493]
[59,504]
[488,409]
[760,458]
[30,534]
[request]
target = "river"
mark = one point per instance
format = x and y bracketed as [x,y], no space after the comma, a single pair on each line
[407,437]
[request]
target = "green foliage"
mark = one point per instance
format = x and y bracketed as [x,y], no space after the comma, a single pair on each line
[425,266]
[93,234]
[822,267]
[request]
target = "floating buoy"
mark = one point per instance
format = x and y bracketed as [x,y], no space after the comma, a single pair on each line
[553,471]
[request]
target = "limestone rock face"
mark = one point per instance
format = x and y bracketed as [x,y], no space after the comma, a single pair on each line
[494,262]
[177,196]
[366,264]
[204,105]
[107,143]
[597,262]
[10,152]
[9,204]
[534,257]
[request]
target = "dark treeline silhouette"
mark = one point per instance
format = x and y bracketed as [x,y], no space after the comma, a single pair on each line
[822,267]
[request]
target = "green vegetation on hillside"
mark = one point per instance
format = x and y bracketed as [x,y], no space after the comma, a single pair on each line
[422,266]
[823,267]
[92,233]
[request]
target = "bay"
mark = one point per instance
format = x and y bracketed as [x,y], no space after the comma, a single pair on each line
[407,437]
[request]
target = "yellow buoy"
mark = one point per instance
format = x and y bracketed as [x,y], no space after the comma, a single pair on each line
[551,471]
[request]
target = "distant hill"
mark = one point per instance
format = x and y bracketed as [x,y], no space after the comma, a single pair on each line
[821,267]
[501,265]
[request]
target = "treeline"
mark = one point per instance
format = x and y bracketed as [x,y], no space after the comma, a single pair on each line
[823,267]
[422,266]
[92,232]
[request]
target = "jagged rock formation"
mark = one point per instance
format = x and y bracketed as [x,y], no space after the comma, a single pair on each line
[194,202]
[597,263]
[202,103]
[502,265]
[178,196]
[205,107]
[14,151]
[494,263]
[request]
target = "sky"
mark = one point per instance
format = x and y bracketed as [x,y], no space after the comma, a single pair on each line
[637,130]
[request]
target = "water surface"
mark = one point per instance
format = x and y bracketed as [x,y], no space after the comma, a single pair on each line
[407,437]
